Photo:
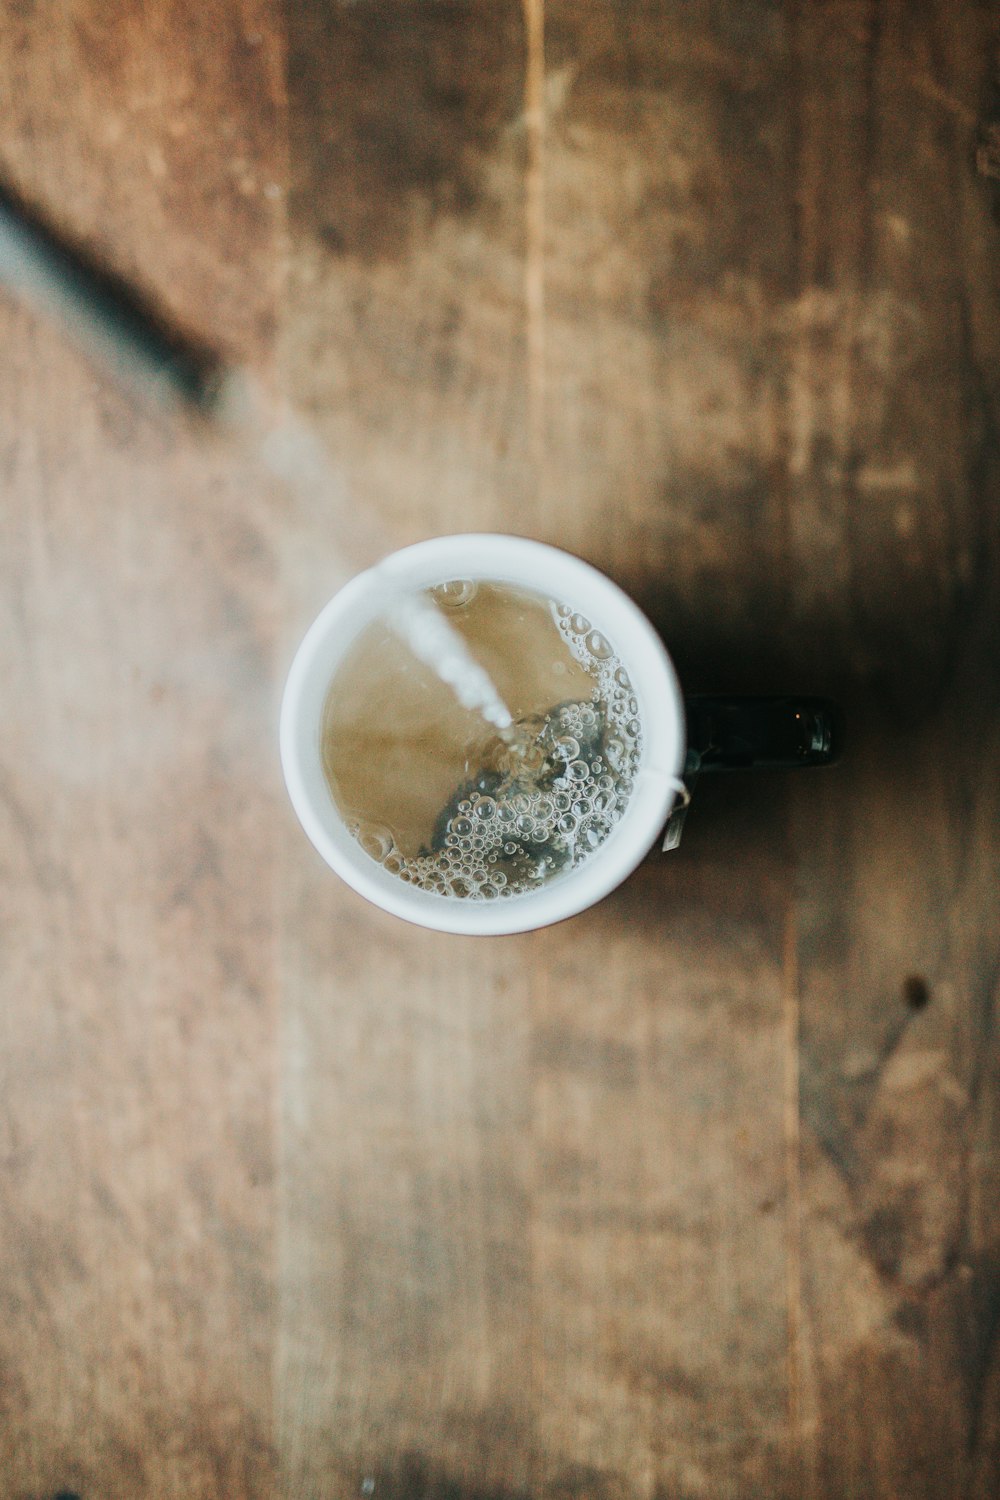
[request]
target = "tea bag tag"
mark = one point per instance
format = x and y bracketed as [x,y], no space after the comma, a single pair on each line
[675,823]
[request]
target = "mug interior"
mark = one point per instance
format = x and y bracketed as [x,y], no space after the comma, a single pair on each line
[544,570]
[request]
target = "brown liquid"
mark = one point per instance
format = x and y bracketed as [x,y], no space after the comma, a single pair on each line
[402,756]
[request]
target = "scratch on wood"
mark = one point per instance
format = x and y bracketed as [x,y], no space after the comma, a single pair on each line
[931,90]
[793,1194]
[534,115]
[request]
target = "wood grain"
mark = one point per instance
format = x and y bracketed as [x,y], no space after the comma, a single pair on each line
[895,487]
[535,1188]
[137,789]
[693,1197]
[761,354]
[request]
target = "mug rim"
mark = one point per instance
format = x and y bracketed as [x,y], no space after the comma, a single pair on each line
[526,563]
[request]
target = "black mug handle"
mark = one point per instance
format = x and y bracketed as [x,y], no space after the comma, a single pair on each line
[747,734]
[773,734]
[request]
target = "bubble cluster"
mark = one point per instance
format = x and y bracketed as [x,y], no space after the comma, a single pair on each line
[549,791]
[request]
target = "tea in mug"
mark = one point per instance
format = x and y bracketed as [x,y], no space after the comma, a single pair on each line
[444,801]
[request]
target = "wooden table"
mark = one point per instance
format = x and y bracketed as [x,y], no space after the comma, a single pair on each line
[696,1195]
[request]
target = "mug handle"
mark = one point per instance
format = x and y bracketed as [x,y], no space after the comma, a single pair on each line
[772,734]
[749,734]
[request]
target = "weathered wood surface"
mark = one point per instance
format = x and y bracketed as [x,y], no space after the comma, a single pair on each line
[138,1058]
[696,1195]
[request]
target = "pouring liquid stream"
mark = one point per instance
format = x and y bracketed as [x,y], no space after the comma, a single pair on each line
[290,450]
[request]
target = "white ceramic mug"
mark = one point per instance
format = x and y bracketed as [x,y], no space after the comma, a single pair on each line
[726,733]
[544,570]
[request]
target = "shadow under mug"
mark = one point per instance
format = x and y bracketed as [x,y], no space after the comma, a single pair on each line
[682,738]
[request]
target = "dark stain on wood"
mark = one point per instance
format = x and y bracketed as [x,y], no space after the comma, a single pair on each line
[395,117]
[916,992]
[978,1327]
[884,1234]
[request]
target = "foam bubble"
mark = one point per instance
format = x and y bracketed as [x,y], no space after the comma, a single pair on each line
[456,594]
[375,840]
